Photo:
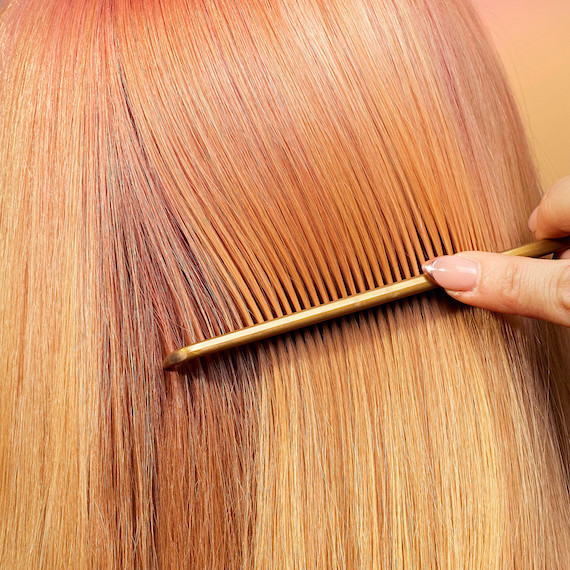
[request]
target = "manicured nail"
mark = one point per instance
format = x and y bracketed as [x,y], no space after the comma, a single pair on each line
[454,272]
[532,220]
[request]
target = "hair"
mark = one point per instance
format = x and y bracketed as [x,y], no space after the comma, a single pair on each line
[173,170]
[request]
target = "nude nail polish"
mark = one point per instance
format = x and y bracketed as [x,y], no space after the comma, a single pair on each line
[454,272]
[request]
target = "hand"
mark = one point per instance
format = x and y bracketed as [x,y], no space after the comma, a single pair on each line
[537,288]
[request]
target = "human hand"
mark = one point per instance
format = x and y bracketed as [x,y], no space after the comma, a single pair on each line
[537,288]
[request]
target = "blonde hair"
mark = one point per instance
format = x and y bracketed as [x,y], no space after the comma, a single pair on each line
[173,170]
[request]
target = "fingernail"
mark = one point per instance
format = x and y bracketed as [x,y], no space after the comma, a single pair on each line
[454,272]
[532,220]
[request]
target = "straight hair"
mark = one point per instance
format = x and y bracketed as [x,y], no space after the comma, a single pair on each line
[171,170]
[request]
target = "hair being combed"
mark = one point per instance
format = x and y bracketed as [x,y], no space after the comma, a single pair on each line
[173,170]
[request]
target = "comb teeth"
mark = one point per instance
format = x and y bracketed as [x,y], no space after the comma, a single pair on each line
[303,268]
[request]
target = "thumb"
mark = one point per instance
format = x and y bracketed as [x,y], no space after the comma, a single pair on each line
[537,288]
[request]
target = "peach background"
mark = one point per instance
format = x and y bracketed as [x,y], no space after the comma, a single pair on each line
[533,41]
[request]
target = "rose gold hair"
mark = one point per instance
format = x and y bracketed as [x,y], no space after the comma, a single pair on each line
[172,170]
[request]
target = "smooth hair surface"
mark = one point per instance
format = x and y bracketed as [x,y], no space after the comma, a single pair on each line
[174,169]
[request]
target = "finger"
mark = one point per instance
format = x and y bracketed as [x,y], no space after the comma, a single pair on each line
[537,288]
[551,218]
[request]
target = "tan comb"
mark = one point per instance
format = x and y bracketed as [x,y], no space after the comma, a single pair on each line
[334,309]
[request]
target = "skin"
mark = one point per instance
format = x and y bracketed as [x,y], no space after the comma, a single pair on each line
[538,288]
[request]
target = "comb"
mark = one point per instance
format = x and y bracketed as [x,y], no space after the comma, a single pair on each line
[334,309]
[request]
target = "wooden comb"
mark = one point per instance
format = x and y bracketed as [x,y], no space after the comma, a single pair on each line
[334,309]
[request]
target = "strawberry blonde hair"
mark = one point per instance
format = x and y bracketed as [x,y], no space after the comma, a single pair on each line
[173,170]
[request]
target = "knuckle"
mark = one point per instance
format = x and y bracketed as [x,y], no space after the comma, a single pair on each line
[562,289]
[512,284]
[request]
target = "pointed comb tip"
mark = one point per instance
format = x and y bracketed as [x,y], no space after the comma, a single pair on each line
[174,359]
